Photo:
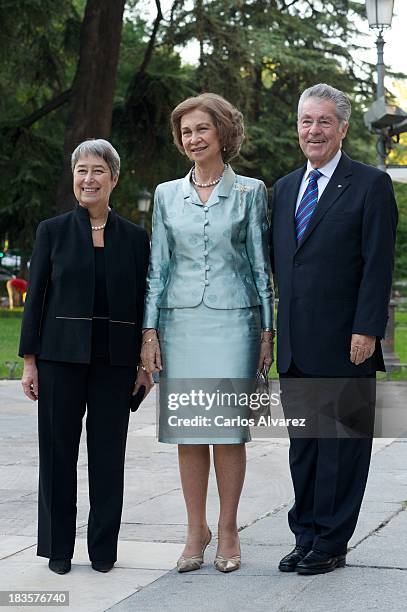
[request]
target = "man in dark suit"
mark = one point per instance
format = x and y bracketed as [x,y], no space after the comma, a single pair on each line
[333,236]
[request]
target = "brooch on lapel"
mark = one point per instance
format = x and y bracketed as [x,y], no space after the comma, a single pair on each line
[242,189]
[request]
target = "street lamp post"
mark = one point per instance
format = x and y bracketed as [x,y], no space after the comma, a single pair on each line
[143,205]
[381,142]
[379,15]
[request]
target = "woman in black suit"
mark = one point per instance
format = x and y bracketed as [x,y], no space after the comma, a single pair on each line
[80,339]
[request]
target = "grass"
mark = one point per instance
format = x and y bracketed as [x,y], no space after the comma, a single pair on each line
[401,343]
[9,337]
[10,323]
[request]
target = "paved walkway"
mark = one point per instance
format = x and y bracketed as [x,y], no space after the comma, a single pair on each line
[154,525]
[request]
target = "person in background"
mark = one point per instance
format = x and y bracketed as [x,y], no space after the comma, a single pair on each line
[16,289]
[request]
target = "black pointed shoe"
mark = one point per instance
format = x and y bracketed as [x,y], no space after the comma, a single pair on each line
[102,566]
[289,562]
[318,562]
[60,566]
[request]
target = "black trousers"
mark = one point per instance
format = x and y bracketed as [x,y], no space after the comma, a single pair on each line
[66,390]
[329,476]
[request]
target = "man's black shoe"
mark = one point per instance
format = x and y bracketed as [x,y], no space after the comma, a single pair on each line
[317,562]
[60,566]
[290,561]
[102,566]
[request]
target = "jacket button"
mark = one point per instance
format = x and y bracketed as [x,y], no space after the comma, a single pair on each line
[206,209]
[206,282]
[297,264]
[207,267]
[206,238]
[206,222]
[205,253]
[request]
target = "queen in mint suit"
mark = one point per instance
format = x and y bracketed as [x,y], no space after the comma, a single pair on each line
[209,306]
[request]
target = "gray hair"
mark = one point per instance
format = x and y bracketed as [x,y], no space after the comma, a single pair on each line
[99,148]
[326,92]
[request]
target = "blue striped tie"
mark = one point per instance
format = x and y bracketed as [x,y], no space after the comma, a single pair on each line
[307,205]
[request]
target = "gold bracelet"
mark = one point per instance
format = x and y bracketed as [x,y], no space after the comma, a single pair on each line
[149,340]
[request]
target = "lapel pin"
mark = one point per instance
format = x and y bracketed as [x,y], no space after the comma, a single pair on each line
[339,185]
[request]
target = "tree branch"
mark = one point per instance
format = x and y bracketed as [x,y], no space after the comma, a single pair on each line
[151,42]
[174,7]
[287,5]
[47,108]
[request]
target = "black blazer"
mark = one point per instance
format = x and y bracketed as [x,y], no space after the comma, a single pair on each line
[57,322]
[337,281]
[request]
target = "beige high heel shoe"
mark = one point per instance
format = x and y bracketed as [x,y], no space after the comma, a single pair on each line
[189,564]
[228,564]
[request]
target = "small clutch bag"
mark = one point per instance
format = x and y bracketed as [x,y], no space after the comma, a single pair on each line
[137,399]
[262,387]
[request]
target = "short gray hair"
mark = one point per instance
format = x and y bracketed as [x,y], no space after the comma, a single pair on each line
[99,148]
[326,92]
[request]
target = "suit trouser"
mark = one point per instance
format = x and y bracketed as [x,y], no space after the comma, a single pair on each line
[65,391]
[329,476]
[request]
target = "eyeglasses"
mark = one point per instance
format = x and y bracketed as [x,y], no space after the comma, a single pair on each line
[323,123]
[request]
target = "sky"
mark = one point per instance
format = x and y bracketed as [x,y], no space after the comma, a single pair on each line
[395,49]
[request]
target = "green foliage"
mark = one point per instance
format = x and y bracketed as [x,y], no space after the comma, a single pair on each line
[400,269]
[29,170]
[39,40]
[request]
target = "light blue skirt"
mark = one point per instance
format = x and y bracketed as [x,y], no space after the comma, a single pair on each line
[201,346]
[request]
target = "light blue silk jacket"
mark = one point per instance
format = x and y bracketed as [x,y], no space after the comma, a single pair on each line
[216,252]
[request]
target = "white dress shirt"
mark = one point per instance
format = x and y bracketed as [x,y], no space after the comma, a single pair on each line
[327,172]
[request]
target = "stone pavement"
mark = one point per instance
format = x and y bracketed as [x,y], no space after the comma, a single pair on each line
[153,529]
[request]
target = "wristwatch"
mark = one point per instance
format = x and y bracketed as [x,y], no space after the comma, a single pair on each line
[271,330]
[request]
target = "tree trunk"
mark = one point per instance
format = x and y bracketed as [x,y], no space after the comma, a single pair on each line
[257,90]
[92,93]
[150,47]
[199,12]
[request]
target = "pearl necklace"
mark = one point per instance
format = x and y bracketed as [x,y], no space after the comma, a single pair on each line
[96,228]
[211,184]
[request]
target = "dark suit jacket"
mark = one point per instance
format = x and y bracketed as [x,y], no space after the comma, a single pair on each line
[57,322]
[337,281]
